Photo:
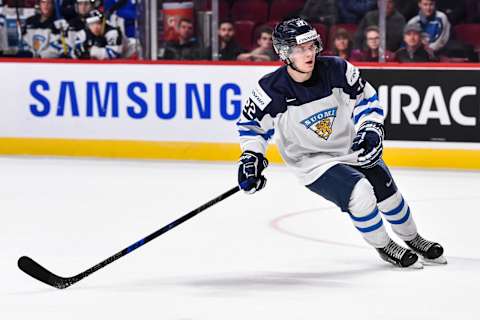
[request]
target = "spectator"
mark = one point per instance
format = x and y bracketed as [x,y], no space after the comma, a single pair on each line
[395,25]
[414,50]
[434,24]
[341,44]
[82,10]
[351,11]
[229,49]
[323,11]
[126,10]
[42,36]
[454,9]
[264,51]
[371,53]
[186,47]
[99,40]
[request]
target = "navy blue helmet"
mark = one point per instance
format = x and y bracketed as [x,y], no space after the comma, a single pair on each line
[290,33]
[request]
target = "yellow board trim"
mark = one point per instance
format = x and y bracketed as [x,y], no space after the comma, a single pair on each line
[398,157]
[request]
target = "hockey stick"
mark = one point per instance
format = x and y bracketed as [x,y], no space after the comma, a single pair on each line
[33,269]
[19,26]
[58,15]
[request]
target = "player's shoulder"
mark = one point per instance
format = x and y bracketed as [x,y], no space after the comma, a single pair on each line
[32,21]
[331,64]
[340,70]
[269,93]
[272,81]
[440,15]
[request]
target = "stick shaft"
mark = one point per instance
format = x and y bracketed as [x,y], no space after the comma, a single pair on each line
[154,235]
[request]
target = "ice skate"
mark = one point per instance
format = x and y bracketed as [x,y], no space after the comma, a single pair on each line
[399,256]
[430,252]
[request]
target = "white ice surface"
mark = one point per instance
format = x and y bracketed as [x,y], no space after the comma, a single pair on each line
[283,253]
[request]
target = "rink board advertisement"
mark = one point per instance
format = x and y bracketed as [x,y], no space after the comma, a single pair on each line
[429,105]
[188,111]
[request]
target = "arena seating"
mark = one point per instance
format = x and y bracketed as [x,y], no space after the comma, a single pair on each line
[283,8]
[254,10]
[468,33]
[21,3]
[244,33]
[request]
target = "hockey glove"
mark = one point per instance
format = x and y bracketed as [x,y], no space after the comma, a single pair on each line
[61,25]
[369,138]
[250,178]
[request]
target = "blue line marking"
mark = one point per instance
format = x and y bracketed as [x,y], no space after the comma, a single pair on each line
[372,228]
[367,111]
[372,215]
[248,123]
[403,220]
[396,210]
[267,135]
[366,101]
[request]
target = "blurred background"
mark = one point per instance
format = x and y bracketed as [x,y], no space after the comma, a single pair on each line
[358,30]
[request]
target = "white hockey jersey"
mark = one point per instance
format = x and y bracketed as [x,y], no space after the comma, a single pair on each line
[3,31]
[106,47]
[314,121]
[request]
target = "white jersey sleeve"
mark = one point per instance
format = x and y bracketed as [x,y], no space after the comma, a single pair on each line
[367,106]
[255,126]
[3,32]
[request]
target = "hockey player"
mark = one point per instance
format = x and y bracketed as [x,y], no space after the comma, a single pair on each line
[329,127]
[82,9]
[42,34]
[99,40]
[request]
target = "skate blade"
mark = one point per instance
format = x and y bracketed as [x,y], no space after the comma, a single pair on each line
[416,265]
[437,261]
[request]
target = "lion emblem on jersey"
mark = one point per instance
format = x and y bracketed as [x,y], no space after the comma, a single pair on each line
[39,42]
[323,128]
[321,122]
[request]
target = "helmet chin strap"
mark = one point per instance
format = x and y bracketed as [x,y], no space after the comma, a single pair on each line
[293,66]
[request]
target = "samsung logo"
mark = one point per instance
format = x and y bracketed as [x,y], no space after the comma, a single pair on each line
[135,100]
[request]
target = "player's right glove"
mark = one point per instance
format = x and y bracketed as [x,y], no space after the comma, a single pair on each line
[370,139]
[251,165]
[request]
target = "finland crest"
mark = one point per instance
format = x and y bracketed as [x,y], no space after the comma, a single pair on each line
[321,123]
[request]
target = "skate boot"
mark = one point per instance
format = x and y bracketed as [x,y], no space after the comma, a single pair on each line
[430,252]
[399,256]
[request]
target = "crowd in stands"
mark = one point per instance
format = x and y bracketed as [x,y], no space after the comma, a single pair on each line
[77,29]
[416,30]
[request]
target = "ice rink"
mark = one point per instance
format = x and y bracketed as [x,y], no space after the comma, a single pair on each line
[283,253]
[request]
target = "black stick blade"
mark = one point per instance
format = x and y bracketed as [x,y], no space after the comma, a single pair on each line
[33,269]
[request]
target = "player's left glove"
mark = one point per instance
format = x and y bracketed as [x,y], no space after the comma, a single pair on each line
[370,139]
[250,178]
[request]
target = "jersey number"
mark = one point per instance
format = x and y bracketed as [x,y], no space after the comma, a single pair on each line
[250,109]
